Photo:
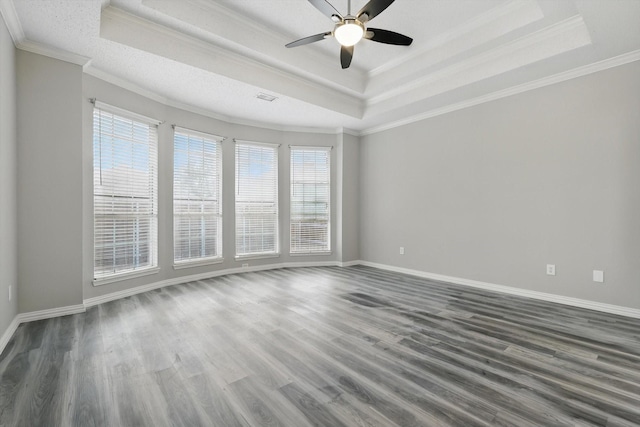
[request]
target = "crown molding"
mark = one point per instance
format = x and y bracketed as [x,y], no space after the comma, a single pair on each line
[263,43]
[127,85]
[139,90]
[515,14]
[349,131]
[584,70]
[52,52]
[10,16]
[561,37]
[123,27]
[546,81]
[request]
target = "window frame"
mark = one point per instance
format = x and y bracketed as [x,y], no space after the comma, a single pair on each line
[101,112]
[217,141]
[293,183]
[275,201]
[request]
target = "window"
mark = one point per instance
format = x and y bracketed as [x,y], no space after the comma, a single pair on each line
[197,207]
[310,195]
[256,199]
[125,192]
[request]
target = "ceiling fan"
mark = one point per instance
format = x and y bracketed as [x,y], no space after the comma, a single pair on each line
[350,29]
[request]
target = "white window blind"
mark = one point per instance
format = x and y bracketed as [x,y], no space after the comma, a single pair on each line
[125,193]
[310,197]
[256,199]
[197,189]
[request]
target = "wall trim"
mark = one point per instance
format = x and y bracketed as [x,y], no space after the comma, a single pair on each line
[584,70]
[90,302]
[49,313]
[350,263]
[132,87]
[4,340]
[116,24]
[466,29]
[574,302]
[53,52]
[325,74]
[37,315]
[8,12]
[572,30]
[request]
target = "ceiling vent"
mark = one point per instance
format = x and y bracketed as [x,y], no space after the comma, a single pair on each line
[266,97]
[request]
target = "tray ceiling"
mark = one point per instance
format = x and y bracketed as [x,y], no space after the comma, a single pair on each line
[214,57]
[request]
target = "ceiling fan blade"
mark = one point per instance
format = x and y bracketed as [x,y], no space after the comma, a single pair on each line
[326,9]
[346,55]
[310,39]
[372,9]
[388,37]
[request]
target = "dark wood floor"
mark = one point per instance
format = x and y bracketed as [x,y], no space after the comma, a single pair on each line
[323,347]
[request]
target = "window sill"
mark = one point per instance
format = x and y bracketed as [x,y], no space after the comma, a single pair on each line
[310,253]
[197,263]
[125,276]
[257,256]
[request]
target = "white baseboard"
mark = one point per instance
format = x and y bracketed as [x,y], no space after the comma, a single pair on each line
[349,263]
[80,308]
[37,315]
[4,340]
[90,302]
[49,313]
[575,302]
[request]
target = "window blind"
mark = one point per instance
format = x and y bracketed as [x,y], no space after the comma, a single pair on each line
[310,197]
[197,189]
[125,193]
[256,199]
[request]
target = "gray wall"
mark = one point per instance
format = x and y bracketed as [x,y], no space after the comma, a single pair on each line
[490,193]
[49,182]
[349,194]
[8,179]
[495,192]
[114,95]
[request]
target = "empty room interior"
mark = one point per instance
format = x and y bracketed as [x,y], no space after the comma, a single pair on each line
[319,213]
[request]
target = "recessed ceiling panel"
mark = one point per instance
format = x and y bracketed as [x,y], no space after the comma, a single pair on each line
[217,55]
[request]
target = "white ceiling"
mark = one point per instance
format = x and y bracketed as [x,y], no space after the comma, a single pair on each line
[216,56]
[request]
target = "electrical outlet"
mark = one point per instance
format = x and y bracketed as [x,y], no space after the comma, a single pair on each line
[551,269]
[401,250]
[598,276]
[245,265]
[10,292]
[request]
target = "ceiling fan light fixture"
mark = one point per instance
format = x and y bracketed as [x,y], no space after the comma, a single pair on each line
[349,32]
[349,29]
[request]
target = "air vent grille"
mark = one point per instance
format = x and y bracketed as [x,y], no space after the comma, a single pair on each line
[266,97]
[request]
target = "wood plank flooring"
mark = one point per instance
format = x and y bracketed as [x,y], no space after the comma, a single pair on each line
[331,347]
